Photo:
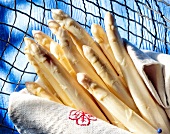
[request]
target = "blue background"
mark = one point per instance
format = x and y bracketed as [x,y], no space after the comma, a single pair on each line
[146,23]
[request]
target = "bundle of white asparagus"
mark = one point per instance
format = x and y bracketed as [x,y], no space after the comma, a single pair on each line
[95,76]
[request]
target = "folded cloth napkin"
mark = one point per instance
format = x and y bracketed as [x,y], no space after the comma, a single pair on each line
[35,115]
[154,68]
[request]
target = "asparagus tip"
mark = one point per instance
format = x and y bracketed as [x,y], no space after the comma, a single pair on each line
[35,32]
[50,20]
[109,19]
[27,83]
[28,41]
[56,11]
[94,28]
[53,25]
[58,15]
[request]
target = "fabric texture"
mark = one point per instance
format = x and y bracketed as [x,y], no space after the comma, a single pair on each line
[35,115]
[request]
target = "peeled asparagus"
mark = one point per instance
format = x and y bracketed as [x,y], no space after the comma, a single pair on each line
[47,78]
[78,33]
[110,78]
[78,63]
[39,71]
[49,44]
[58,52]
[101,38]
[138,89]
[125,115]
[37,90]
[70,86]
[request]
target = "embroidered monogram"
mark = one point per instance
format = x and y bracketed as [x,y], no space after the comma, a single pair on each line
[82,118]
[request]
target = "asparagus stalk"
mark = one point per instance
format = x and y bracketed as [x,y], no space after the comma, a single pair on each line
[58,52]
[70,86]
[39,71]
[127,116]
[37,90]
[79,64]
[49,44]
[78,33]
[47,78]
[110,78]
[101,38]
[138,89]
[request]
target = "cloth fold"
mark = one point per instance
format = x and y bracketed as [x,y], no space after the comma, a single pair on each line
[154,69]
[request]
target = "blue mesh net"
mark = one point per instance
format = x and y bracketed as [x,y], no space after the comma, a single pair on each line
[145,23]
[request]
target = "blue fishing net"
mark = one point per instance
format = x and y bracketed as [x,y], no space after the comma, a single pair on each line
[145,23]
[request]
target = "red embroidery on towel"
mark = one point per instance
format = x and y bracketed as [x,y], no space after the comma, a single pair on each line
[82,118]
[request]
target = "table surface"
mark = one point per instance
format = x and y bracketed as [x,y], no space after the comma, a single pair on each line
[145,23]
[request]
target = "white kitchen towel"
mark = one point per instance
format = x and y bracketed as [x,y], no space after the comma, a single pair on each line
[35,115]
[154,68]
[164,59]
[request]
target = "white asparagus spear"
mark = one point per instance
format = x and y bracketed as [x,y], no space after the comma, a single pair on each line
[78,63]
[58,52]
[49,44]
[110,78]
[37,90]
[124,114]
[138,89]
[70,86]
[101,38]
[38,70]
[64,97]
[80,36]
[41,83]
[45,75]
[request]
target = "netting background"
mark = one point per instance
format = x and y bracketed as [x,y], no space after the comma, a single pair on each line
[146,23]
